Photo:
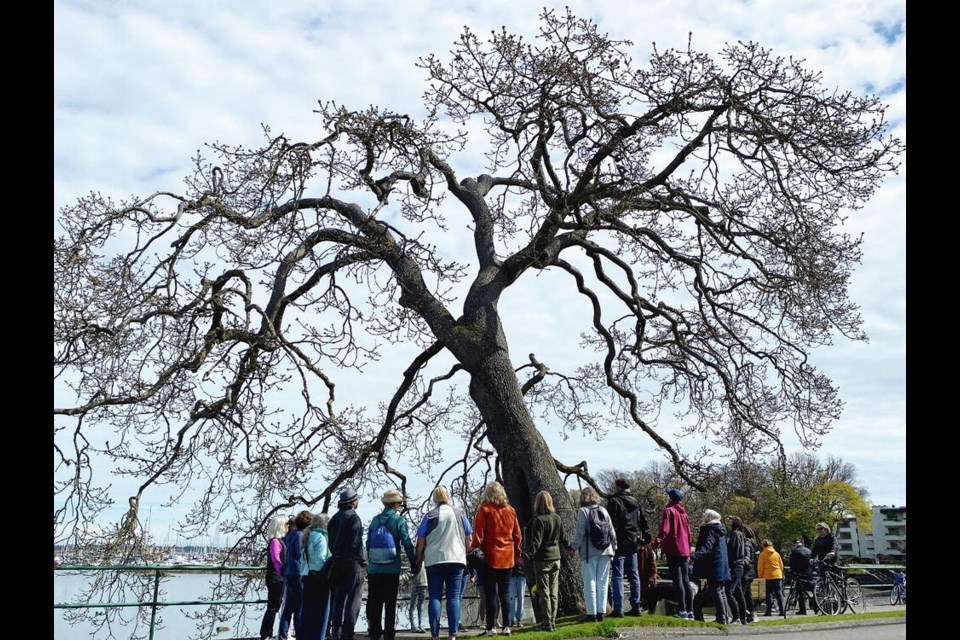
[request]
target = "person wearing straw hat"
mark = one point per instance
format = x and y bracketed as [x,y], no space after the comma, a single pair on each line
[386,534]
[345,533]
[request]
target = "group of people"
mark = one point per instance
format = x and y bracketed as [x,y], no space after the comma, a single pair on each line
[317,564]
[801,562]
[729,560]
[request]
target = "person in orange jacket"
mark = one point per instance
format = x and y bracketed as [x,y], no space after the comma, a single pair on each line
[770,569]
[496,531]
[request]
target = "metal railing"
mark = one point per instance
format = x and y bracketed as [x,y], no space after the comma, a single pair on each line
[160,570]
[157,570]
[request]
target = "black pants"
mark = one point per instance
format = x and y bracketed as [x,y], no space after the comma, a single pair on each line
[382,594]
[346,594]
[805,586]
[496,586]
[748,595]
[314,616]
[274,597]
[736,600]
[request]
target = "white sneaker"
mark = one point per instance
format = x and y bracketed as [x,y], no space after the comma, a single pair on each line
[505,632]
[489,633]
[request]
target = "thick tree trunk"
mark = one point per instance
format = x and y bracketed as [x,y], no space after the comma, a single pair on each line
[525,459]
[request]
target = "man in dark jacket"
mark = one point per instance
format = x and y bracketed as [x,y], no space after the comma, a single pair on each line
[630,525]
[345,532]
[801,571]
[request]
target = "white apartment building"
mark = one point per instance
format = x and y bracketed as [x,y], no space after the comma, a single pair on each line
[888,540]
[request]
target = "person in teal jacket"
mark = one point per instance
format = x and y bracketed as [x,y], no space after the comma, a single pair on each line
[316,595]
[383,576]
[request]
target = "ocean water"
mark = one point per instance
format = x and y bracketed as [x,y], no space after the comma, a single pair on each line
[193,622]
[221,622]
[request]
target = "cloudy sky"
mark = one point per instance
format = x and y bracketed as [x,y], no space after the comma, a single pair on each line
[140,86]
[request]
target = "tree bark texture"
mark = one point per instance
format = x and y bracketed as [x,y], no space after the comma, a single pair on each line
[526,463]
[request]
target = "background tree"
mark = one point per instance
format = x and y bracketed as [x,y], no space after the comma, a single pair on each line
[808,491]
[778,501]
[692,205]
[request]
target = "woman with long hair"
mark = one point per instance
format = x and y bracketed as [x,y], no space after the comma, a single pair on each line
[737,557]
[594,561]
[496,531]
[547,538]
[752,549]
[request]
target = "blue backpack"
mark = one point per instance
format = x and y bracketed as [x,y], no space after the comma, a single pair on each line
[382,548]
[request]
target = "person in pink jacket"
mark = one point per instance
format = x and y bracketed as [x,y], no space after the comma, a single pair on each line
[674,536]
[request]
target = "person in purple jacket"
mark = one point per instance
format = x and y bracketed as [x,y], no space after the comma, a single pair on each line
[675,536]
[276,554]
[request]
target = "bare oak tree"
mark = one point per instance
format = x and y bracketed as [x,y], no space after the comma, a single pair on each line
[693,204]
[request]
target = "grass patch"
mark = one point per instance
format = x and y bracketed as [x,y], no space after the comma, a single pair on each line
[571,627]
[815,619]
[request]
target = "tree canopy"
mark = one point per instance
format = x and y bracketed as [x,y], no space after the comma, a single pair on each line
[780,500]
[692,205]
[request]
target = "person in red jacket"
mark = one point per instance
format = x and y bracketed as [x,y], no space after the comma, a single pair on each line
[496,531]
[675,536]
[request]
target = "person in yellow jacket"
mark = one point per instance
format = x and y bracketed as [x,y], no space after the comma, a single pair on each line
[770,569]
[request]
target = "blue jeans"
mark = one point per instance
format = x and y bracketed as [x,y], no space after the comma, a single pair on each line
[292,599]
[518,588]
[596,573]
[444,578]
[774,589]
[679,567]
[618,565]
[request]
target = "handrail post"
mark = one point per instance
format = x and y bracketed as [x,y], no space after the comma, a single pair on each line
[153,605]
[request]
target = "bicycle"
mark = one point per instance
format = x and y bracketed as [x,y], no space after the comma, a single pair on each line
[794,586]
[834,592]
[898,594]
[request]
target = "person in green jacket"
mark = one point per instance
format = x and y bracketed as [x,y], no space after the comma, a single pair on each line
[547,537]
[383,572]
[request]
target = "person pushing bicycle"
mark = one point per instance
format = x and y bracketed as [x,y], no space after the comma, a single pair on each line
[801,568]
